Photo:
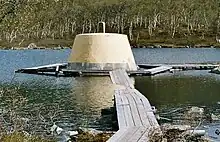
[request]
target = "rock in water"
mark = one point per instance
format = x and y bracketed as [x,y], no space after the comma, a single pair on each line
[90,131]
[214,117]
[72,133]
[195,132]
[216,70]
[53,128]
[32,46]
[193,116]
[166,127]
[59,130]
[196,110]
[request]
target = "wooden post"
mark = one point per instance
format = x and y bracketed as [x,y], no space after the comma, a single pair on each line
[57,71]
[103,26]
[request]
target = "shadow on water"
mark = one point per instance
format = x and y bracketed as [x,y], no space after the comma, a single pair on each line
[68,102]
[180,88]
[175,94]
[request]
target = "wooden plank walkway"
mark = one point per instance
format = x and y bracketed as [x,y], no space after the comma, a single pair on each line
[46,66]
[52,69]
[195,66]
[135,116]
[159,69]
[120,77]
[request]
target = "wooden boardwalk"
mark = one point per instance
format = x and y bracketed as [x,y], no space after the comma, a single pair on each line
[120,77]
[135,116]
[54,68]
[182,66]
[45,66]
[158,70]
[61,69]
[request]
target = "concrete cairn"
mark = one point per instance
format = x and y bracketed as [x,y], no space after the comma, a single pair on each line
[101,51]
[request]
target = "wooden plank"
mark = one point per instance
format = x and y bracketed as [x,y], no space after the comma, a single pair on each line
[142,112]
[141,99]
[121,117]
[138,134]
[118,98]
[46,66]
[120,77]
[158,69]
[152,119]
[128,135]
[127,111]
[112,78]
[117,135]
[189,66]
[122,122]
[145,109]
[149,134]
[128,80]
[134,112]
[115,78]
[123,78]
[145,137]
[134,109]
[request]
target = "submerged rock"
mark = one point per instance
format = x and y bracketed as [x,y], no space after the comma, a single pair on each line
[166,127]
[216,70]
[181,133]
[89,131]
[196,111]
[215,117]
[195,132]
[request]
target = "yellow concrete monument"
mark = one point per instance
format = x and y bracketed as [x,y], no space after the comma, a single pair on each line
[101,51]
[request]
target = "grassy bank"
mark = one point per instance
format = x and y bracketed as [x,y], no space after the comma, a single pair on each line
[41,43]
[20,137]
[143,42]
[84,137]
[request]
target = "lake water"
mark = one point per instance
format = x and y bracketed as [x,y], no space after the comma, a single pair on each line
[74,102]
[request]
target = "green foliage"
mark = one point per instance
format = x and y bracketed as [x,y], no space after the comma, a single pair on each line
[20,137]
[24,20]
[86,137]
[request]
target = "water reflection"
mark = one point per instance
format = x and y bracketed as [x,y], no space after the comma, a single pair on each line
[68,102]
[78,101]
[180,88]
[95,93]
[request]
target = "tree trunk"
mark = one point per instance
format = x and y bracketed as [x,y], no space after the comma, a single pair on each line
[130,31]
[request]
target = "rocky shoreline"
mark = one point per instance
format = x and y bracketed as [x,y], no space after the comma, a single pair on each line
[59,47]
[34,46]
[173,46]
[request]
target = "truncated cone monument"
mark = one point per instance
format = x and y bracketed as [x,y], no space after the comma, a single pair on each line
[101,51]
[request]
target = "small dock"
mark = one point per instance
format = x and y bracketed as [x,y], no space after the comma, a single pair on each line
[52,68]
[157,70]
[181,66]
[61,69]
[136,119]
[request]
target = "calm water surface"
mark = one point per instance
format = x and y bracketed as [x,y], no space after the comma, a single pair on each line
[74,102]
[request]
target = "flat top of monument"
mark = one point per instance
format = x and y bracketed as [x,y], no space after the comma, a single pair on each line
[98,34]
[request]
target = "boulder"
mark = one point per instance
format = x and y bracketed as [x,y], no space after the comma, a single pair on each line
[168,126]
[216,70]
[196,110]
[32,46]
